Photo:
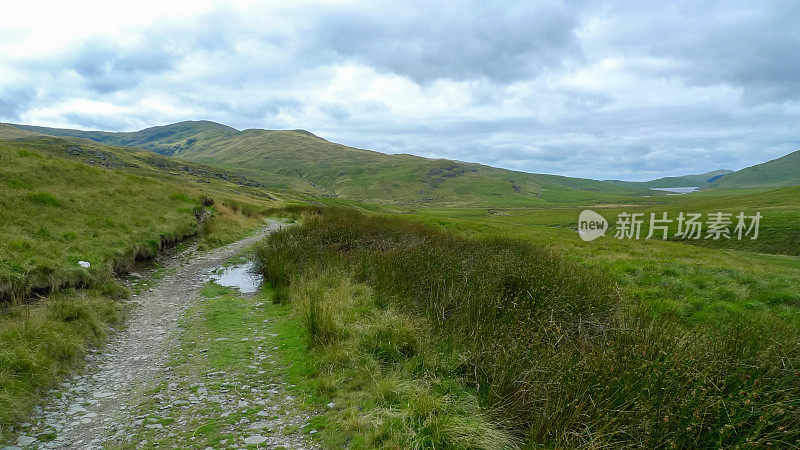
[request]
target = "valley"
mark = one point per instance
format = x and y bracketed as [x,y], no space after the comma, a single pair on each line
[406,302]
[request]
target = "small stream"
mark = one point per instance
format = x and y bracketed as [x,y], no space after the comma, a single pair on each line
[240,276]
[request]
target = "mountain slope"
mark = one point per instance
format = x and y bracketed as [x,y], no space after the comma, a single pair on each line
[700,180]
[71,199]
[783,171]
[166,140]
[301,161]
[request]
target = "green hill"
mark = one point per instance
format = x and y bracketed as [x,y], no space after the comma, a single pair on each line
[784,171]
[167,140]
[71,199]
[700,180]
[303,162]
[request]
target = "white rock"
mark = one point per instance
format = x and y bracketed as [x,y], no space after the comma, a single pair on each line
[255,440]
[24,441]
[84,264]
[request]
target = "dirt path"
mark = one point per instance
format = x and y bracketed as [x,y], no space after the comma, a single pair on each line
[94,409]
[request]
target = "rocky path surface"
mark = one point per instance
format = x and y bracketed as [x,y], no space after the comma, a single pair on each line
[102,407]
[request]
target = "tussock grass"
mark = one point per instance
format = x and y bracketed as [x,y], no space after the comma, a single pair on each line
[379,366]
[547,347]
[226,224]
[41,342]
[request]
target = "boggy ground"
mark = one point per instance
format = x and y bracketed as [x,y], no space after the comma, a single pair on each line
[194,367]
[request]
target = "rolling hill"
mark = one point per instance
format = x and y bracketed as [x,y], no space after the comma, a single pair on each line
[71,199]
[300,161]
[702,180]
[167,140]
[780,172]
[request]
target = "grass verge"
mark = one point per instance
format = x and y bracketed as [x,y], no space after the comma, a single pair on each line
[41,342]
[380,377]
[547,347]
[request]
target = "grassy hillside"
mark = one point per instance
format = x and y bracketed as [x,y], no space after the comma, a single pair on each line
[70,200]
[784,171]
[300,161]
[58,212]
[166,140]
[701,180]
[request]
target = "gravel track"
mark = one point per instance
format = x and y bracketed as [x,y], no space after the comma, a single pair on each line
[92,408]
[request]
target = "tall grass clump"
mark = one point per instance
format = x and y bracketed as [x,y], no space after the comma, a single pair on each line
[41,342]
[549,347]
[378,366]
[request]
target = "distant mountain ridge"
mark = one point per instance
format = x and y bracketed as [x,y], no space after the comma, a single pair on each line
[301,161]
[702,180]
[166,139]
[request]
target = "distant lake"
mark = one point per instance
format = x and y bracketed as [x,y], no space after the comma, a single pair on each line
[677,190]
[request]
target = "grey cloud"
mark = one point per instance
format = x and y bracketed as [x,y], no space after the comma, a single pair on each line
[515,109]
[336,111]
[106,67]
[452,40]
[14,100]
[746,44]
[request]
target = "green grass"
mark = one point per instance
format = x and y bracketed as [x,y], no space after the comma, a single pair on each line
[57,212]
[39,343]
[779,231]
[554,350]
[121,208]
[377,366]
[694,283]
[222,313]
[226,225]
[223,339]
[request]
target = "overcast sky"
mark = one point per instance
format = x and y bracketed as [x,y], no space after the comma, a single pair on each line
[630,90]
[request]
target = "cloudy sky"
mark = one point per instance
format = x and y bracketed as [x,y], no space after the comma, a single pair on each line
[630,90]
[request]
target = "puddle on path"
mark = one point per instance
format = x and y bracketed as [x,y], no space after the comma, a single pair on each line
[240,276]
